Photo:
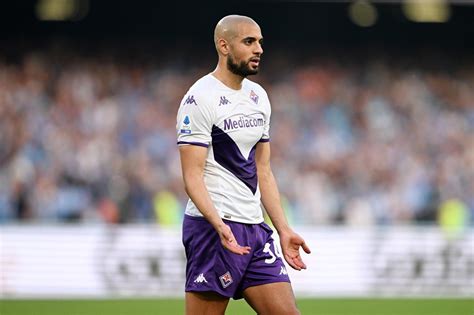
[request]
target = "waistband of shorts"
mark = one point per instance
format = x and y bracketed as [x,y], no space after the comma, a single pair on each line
[190,217]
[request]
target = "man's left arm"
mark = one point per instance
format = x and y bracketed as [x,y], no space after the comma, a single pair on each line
[289,240]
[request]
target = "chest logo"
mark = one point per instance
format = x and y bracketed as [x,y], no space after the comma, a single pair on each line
[254,97]
[224,101]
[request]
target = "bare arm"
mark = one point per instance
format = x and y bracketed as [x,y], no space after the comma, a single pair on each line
[193,159]
[290,241]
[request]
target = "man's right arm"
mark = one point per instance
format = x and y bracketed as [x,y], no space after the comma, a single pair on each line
[193,160]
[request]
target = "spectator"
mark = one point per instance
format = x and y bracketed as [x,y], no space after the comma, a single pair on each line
[91,138]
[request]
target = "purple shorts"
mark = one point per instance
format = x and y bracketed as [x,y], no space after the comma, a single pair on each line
[210,267]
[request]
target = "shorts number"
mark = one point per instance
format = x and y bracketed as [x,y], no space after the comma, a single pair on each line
[276,253]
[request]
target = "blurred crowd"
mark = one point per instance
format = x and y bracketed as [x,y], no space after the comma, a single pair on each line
[355,140]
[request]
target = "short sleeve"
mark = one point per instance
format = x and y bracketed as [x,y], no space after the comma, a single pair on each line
[194,121]
[266,126]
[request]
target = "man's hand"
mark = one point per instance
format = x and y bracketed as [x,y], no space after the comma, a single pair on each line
[290,245]
[230,243]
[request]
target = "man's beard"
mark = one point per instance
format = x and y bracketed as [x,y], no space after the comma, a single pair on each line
[243,69]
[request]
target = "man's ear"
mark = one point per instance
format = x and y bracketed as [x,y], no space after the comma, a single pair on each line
[223,46]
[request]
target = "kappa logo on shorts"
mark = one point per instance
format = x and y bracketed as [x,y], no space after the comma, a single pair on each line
[283,271]
[226,279]
[200,279]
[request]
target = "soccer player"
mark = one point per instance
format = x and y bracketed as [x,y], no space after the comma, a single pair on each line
[223,136]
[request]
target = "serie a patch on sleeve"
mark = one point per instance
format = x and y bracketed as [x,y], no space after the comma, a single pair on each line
[185,126]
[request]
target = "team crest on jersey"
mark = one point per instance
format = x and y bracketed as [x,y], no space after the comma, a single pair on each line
[224,101]
[185,128]
[190,100]
[226,279]
[254,97]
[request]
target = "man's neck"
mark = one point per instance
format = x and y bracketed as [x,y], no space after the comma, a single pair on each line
[229,79]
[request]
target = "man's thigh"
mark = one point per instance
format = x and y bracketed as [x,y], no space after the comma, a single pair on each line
[205,303]
[272,299]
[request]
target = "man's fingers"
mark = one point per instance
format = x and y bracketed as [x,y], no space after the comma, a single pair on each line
[306,248]
[291,249]
[245,250]
[300,262]
[293,263]
[236,248]
[230,243]
[241,250]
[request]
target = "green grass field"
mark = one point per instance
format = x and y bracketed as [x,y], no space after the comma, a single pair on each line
[176,306]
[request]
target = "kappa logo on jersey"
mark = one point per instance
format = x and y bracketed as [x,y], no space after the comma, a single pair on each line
[254,97]
[186,129]
[190,100]
[224,101]
[283,271]
[226,279]
[200,279]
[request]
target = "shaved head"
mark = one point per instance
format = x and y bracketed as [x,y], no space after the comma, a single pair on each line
[238,40]
[228,27]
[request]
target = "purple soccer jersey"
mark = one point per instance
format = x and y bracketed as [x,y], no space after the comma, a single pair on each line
[210,267]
